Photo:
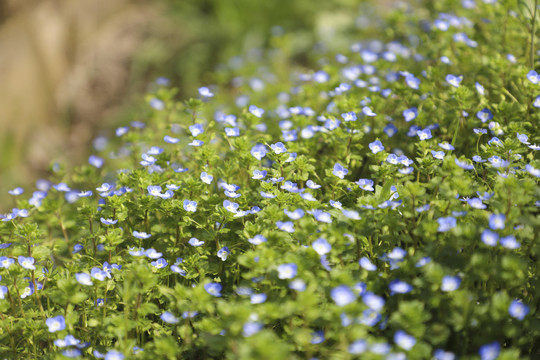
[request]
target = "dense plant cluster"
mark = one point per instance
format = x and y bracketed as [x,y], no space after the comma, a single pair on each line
[384,205]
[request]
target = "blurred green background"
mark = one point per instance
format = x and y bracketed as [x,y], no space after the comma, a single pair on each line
[71,70]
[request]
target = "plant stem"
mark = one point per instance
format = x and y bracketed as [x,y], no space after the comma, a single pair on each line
[533,30]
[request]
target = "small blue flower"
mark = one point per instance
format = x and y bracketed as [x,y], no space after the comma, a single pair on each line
[489,238]
[95,161]
[114,355]
[170,139]
[321,246]
[196,143]
[446,146]
[412,81]
[69,340]
[373,301]
[446,223]
[518,310]
[342,295]
[294,215]
[489,351]
[232,132]
[141,235]
[56,323]
[533,77]
[366,264]
[223,253]
[206,178]
[195,242]
[399,287]
[476,203]
[190,206]
[278,148]
[310,184]
[259,174]
[495,141]
[84,279]
[6,262]
[510,242]
[251,328]
[159,263]
[339,171]
[450,283]
[376,146]
[438,154]
[497,221]
[463,164]
[454,80]
[259,151]
[368,112]
[349,116]
[424,134]
[257,112]
[286,226]
[196,129]
[404,340]
[108,221]
[205,92]
[410,114]
[484,115]
[298,285]
[357,347]
[231,206]
[287,271]
[317,337]
[27,262]
[258,298]
[169,318]
[213,289]
[523,138]
[16,191]
[157,104]
[257,240]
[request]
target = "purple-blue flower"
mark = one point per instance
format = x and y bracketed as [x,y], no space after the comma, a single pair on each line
[376,146]
[518,310]
[497,221]
[190,206]
[446,223]
[410,114]
[56,323]
[342,295]
[339,171]
[27,262]
[213,289]
[287,271]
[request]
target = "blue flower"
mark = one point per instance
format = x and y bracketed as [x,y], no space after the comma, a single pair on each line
[495,140]
[321,246]
[489,351]
[69,340]
[223,253]
[412,81]
[310,184]
[159,263]
[170,139]
[141,235]
[463,164]
[56,323]
[489,238]
[257,112]
[351,214]
[169,318]
[251,328]
[450,283]
[510,242]
[278,147]
[438,154]
[6,262]
[286,226]
[157,104]
[16,191]
[399,287]
[533,77]
[518,310]
[349,116]
[258,298]
[424,134]
[484,115]
[287,271]
[190,205]
[231,206]
[366,264]
[376,146]
[213,289]
[196,143]
[114,355]
[195,242]
[440,354]
[267,195]
[108,221]
[27,262]
[317,337]
[298,285]
[357,347]
[410,114]
[95,161]
[98,274]
[294,215]
[232,131]
[196,129]
[523,138]
[322,216]
[205,92]
[497,221]
[373,301]
[476,203]
[257,240]
[84,279]
[368,112]
[206,178]
[339,171]
[336,204]
[3,291]
[342,295]
[259,151]
[404,340]
[454,80]
[259,174]
[446,223]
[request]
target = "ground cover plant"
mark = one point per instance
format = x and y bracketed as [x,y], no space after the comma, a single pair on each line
[383,205]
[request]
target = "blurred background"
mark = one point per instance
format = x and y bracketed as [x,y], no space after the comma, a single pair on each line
[72,69]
